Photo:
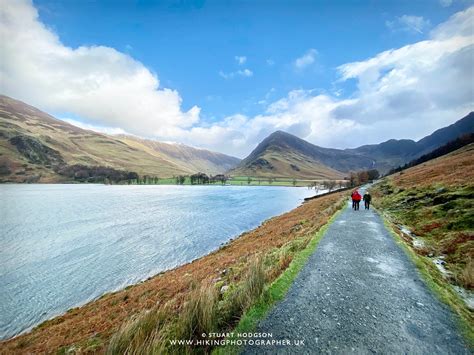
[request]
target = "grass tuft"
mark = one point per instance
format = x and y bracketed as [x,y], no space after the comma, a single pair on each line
[140,335]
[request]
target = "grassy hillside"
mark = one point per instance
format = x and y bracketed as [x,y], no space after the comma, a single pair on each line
[33,144]
[284,155]
[435,200]
[187,158]
[289,164]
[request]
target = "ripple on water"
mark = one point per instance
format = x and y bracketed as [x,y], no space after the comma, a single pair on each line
[64,245]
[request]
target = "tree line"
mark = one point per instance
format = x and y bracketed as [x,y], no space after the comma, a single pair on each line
[363,177]
[201,179]
[95,174]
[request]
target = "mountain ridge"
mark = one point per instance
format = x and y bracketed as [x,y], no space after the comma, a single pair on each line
[287,150]
[34,146]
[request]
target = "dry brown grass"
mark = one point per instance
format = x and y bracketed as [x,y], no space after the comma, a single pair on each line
[100,319]
[466,277]
[456,168]
[142,334]
[205,310]
[435,200]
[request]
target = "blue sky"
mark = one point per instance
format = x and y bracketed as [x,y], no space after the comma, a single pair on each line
[230,72]
[187,43]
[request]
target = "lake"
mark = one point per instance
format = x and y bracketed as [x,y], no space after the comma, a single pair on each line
[64,245]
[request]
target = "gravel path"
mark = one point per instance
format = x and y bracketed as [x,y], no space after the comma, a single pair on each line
[359,293]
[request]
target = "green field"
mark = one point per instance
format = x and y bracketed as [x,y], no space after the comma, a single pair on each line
[243,181]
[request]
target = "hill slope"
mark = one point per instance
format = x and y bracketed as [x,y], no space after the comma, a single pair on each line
[282,154]
[393,152]
[186,157]
[33,144]
[435,202]
[446,134]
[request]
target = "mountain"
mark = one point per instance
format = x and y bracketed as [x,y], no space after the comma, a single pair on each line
[35,146]
[446,134]
[394,153]
[284,155]
[189,158]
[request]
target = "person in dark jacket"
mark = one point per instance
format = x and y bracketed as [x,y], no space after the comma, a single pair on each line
[356,197]
[367,199]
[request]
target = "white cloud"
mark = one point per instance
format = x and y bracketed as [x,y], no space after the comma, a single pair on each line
[240,59]
[429,81]
[445,3]
[91,127]
[306,59]
[244,72]
[408,23]
[98,83]
[270,62]
[405,92]
[401,93]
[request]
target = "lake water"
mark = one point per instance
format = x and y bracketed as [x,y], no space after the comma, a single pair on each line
[64,245]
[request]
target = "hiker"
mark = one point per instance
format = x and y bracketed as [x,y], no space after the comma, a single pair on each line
[367,198]
[356,197]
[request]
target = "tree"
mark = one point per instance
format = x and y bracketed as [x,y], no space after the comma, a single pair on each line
[270,180]
[325,184]
[331,184]
[249,180]
[294,182]
[363,177]
[373,174]
[199,178]
[314,185]
[353,179]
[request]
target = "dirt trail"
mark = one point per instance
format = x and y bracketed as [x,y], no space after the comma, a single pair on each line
[359,293]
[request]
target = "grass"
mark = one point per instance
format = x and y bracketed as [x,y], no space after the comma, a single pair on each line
[206,310]
[442,216]
[252,288]
[275,292]
[282,181]
[438,285]
[244,181]
[140,335]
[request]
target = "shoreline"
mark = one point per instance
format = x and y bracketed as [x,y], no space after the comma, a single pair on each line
[36,315]
[105,314]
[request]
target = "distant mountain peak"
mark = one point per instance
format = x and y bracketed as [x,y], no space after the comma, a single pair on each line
[284,154]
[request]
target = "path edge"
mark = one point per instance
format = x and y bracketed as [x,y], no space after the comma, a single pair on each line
[431,278]
[278,288]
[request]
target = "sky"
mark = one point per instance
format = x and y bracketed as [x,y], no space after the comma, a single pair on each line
[222,75]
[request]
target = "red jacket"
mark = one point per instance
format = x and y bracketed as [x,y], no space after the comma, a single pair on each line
[356,196]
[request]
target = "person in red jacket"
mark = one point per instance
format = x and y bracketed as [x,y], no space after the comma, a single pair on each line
[356,197]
